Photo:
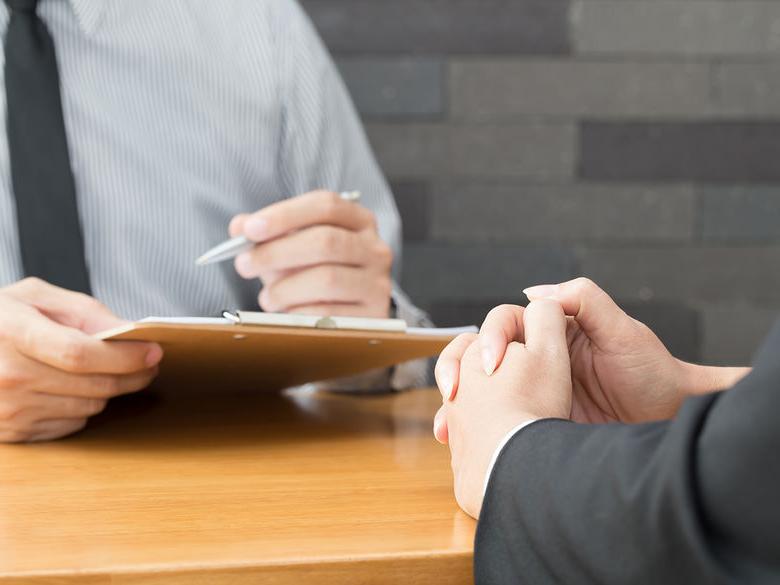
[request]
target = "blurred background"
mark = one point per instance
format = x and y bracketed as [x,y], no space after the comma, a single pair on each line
[529,141]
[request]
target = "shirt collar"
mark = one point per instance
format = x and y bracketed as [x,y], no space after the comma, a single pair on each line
[89,13]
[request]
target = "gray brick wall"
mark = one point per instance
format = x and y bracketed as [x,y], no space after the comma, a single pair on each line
[528,141]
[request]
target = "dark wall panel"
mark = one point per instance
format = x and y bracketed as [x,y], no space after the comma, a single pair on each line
[443,26]
[528,141]
[744,151]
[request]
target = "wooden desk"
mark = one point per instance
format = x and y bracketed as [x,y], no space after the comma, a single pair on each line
[226,488]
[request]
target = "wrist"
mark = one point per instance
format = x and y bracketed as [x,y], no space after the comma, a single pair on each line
[697,379]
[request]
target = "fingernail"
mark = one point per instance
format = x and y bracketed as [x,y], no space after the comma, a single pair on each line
[256,228]
[542,291]
[154,356]
[488,361]
[244,265]
[436,428]
[447,385]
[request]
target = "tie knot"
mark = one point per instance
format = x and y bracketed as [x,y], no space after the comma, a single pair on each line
[22,5]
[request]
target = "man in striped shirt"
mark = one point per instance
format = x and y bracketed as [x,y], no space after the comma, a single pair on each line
[185,117]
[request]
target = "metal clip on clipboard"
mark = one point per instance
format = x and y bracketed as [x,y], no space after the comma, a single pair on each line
[314,322]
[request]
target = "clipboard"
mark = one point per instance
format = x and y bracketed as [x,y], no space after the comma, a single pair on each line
[242,351]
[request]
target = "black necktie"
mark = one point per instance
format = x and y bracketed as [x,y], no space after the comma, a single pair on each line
[46,211]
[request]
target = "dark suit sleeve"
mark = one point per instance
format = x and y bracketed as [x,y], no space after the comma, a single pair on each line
[693,500]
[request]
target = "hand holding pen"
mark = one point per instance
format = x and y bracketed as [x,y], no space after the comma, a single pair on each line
[318,253]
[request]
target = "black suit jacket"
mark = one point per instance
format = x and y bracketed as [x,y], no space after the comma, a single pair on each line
[692,500]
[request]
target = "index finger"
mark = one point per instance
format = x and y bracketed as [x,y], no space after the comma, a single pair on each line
[502,326]
[447,369]
[236,227]
[73,351]
[310,209]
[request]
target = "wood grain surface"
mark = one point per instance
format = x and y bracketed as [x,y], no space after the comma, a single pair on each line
[234,487]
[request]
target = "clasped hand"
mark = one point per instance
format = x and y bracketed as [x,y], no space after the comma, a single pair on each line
[572,353]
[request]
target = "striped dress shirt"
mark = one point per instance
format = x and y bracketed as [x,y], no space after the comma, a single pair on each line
[181,114]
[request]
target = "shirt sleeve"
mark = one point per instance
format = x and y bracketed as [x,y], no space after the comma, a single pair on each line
[323,145]
[500,448]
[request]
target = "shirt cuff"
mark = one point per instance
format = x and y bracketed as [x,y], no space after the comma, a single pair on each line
[500,448]
[416,373]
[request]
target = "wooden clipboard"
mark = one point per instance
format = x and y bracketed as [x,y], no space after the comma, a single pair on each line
[250,357]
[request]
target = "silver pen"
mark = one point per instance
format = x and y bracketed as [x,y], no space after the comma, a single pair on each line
[233,247]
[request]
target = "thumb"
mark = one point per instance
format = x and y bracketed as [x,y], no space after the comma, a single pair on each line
[593,309]
[547,346]
[545,330]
